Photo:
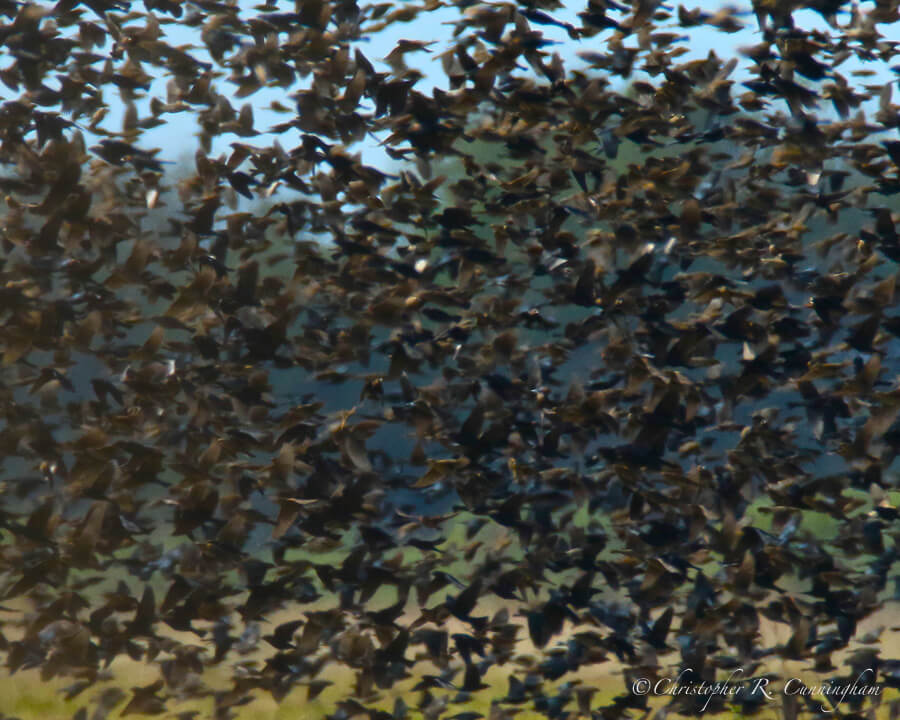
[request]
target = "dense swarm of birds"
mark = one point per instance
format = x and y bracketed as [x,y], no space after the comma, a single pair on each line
[468,427]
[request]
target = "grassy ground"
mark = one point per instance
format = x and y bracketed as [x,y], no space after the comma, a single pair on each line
[25,695]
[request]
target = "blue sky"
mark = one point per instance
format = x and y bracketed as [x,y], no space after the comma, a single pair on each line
[177,138]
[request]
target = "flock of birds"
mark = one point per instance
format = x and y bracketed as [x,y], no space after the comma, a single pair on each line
[568,411]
